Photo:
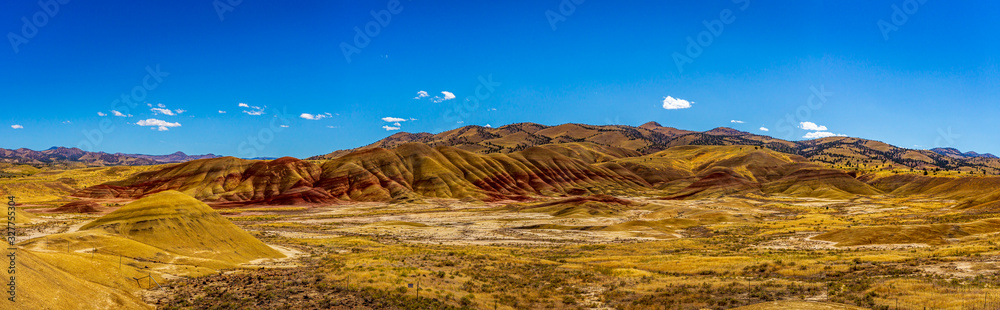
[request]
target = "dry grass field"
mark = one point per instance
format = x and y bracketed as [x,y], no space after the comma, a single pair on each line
[598,253]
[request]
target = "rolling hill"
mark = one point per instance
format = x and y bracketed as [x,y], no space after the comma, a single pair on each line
[840,152]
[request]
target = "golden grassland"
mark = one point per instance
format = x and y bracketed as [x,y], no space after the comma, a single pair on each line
[36,185]
[750,251]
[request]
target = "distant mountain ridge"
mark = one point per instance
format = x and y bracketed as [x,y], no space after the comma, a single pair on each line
[649,138]
[177,157]
[78,157]
[953,152]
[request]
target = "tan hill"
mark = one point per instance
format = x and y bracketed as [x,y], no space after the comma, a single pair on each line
[975,194]
[713,171]
[180,224]
[41,285]
[164,235]
[584,206]
[80,206]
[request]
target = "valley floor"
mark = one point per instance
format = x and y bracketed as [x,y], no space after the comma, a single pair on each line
[873,252]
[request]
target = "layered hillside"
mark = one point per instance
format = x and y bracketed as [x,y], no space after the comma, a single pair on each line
[228,179]
[415,170]
[409,171]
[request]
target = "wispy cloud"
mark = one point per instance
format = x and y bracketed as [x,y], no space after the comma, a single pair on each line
[811,126]
[160,125]
[15,126]
[671,103]
[222,112]
[254,110]
[736,122]
[315,117]
[101,114]
[764,129]
[158,111]
[390,119]
[119,114]
[421,94]
[390,128]
[821,134]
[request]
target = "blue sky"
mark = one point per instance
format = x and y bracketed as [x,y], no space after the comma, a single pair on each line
[926,76]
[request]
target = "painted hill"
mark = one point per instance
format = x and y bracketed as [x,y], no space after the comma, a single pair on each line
[227,179]
[415,170]
[180,224]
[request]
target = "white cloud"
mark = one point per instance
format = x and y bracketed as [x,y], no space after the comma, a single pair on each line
[332,127]
[180,111]
[736,122]
[67,122]
[390,119]
[161,105]
[222,112]
[447,96]
[160,125]
[461,122]
[162,111]
[101,114]
[397,124]
[421,94]
[315,117]
[17,126]
[764,129]
[389,128]
[119,114]
[671,103]
[821,134]
[811,126]
[284,126]
[488,126]
[254,110]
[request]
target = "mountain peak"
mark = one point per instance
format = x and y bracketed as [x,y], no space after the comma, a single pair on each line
[725,131]
[650,125]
